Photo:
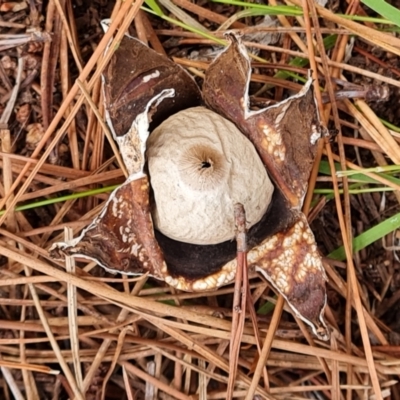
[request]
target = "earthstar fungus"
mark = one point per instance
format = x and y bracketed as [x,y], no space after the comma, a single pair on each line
[142,90]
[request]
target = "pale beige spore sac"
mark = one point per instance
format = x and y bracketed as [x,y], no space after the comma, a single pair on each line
[200,166]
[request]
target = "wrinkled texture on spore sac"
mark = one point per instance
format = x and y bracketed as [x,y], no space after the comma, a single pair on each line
[200,165]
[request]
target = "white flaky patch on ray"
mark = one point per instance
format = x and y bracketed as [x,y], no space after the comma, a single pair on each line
[273,137]
[135,247]
[116,210]
[310,264]
[211,282]
[315,135]
[279,272]
[257,252]
[274,143]
[149,77]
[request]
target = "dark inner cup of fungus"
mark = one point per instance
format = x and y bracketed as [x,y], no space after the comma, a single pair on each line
[198,261]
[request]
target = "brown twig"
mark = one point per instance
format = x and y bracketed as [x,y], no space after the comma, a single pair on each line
[49,62]
[266,347]
[239,296]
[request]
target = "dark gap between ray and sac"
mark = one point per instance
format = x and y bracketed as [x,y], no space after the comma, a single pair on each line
[198,261]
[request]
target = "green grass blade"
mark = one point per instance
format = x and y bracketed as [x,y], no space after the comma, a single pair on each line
[384,168]
[325,170]
[294,11]
[363,18]
[385,9]
[368,237]
[266,308]
[272,10]
[154,7]
[42,203]
[390,126]
[187,27]
[354,190]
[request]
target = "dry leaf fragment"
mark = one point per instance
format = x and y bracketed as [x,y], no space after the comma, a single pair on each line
[23,114]
[13,6]
[34,135]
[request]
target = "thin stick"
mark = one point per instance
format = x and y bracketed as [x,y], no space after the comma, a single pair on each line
[13,98]
[63,364]
[9,379]
[72,316]
[239,297]
[207,14]
[29,367]
[74,51]
[135,371]
[353,282]
[253,317]
[116,355]
[345,67]
[65,84]
[128,389]
[266,348]
[104,126]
